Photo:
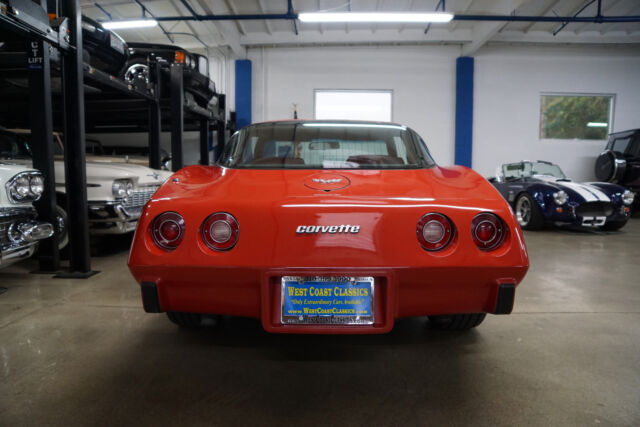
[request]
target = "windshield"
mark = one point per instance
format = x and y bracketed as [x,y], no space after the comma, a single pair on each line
[13,147]
[325,145]
[528,169]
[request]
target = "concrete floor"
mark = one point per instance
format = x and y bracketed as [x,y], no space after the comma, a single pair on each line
[76,352]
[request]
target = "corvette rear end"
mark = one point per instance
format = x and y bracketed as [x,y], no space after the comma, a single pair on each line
[339,249]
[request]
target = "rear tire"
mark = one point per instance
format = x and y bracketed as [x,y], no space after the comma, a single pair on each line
[192,320]
[456,322]
[528,213]
[614,225]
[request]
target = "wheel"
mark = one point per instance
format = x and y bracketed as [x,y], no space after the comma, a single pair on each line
[457,322]
[190,320]
[528,213]
[61,227]
[614,225]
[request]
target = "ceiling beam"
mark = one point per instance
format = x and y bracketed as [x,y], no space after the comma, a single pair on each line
[233,10]
[409,9]
[483,31]
[464,10]
[542,12]
[267,24]
[227,30]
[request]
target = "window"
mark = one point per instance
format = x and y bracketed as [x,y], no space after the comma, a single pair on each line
[374,105]
[564,116]
[325,145]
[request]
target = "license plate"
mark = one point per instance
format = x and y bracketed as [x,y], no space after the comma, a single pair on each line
[327,300]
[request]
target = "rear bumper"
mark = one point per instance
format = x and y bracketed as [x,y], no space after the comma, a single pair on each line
[399,292]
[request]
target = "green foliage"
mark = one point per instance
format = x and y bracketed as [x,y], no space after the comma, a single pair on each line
[566,117]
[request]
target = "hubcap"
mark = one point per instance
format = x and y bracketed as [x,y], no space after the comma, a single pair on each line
[523,211]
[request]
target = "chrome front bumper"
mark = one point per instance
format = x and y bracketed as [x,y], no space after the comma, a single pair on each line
[121,215]
[111,218]
[20,237]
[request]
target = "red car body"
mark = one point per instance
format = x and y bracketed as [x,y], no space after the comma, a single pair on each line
[269,206]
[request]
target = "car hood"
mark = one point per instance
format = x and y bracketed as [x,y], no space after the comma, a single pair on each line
[101,171]
[585,191]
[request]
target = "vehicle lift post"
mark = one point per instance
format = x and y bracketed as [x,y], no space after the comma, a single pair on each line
[74,153]
[204,142]
[177,115]
[40,113]
[155,116]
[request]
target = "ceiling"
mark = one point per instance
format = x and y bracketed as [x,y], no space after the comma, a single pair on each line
[471,35]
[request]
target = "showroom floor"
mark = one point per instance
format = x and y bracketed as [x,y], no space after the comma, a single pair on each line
[76,352]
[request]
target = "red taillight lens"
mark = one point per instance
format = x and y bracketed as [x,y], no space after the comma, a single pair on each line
[434,231]
[168,230]
[488,231]
[220,231]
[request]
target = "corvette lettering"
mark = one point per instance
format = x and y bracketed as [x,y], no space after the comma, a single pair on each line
[331,229]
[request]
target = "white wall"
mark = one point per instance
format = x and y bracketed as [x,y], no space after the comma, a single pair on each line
[508,84]
[422,80]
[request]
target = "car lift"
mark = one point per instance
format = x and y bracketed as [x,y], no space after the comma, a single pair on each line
[30,21]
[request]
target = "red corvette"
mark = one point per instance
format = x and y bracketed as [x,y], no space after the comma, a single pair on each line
[328,227]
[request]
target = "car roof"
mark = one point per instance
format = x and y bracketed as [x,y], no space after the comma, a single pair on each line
[302,121]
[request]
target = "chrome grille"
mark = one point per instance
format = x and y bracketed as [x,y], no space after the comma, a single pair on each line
[595,209]
[133,204]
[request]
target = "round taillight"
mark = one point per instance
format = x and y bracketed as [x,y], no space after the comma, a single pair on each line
[220,231]
[434,231]
[167,230]
[487,231]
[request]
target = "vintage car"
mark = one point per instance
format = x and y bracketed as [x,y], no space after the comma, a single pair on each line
[620,162]
[116,192]
[198,87]
[541,194]
[328,227]
[20,231]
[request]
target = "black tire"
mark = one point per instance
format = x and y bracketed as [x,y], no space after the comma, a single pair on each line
[456,322]
[614,225]
[185,320]
[534,219]
[61,228]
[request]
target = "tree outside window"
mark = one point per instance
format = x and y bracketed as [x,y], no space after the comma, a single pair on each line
[565,116]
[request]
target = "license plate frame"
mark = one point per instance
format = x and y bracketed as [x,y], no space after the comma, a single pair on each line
[331,282]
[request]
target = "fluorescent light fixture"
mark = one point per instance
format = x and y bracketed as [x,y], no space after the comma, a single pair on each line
[416,17]
[131,23]
[352,125]
[597,125]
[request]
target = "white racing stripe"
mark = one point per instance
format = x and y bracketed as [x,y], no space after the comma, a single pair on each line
[588,192]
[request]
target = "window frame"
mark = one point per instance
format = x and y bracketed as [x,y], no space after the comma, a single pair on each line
[389,91]
[612,96]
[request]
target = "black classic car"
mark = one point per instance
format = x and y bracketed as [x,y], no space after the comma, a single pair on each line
[541,194]
[197,84]
[620,162]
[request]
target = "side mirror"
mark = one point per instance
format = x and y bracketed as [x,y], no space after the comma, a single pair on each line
[166,163]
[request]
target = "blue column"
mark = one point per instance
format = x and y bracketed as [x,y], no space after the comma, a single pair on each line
[464,110]
[243,93]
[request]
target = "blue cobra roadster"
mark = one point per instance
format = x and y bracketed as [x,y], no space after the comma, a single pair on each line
[541,194]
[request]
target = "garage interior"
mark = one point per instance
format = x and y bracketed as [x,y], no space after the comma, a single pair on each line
[77,347]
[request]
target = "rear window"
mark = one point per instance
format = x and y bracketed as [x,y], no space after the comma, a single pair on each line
[325,145]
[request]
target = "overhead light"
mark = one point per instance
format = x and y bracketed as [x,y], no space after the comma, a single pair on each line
[597,125]
[417,17]
[131,23]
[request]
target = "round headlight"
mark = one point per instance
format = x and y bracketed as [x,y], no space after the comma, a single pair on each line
[36,185]
[560,197]
[122,188]
[20,187]
[627,197]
